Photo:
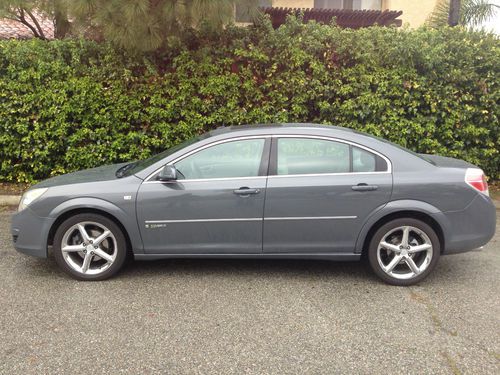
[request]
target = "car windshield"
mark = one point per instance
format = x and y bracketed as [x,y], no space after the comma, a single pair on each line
[138,166]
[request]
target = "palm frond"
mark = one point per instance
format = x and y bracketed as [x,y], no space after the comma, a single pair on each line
[146,24]
[476,12]
[439,16]
[472,12]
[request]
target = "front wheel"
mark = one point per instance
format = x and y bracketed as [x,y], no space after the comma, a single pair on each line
[404,251]
[90,247]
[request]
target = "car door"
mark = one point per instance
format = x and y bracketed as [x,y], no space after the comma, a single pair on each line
[216,204]
[319,193]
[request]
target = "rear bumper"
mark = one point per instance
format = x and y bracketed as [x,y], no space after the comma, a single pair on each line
[470,228]
[30,233]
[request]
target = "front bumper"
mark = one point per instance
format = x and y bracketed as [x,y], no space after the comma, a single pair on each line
[30,233]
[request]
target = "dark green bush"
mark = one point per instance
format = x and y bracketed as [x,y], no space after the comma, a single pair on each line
[68,105]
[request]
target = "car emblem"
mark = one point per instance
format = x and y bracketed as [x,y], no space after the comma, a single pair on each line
[154,226]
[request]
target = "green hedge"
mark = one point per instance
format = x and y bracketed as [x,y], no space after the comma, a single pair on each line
[68,105]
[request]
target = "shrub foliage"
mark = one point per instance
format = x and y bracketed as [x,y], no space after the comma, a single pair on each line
[68,105]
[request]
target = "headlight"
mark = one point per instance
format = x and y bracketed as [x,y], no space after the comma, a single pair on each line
[30,196]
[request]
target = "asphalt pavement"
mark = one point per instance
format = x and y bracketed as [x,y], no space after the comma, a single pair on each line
[248,317]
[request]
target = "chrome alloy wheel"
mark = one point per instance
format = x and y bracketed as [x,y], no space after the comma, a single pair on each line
[89,248]
[404,252]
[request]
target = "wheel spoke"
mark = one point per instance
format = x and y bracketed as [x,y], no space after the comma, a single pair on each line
[86,262]
[83,233]
[73,248]
[416,249]
[409,261]
[393,263]
[390,246]
[406,235]
[101,238]
[104,255]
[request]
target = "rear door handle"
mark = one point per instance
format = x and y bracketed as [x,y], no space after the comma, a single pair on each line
[364,187]
[245,191]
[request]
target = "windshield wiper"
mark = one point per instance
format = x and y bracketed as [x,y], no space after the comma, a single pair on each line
[121,171]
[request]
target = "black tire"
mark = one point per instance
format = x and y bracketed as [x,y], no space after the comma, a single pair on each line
[387,228]
[120,248]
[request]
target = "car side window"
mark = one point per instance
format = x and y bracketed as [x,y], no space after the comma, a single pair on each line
[318,156]
[363,161]
[366,161]
[312,156]
[226,160]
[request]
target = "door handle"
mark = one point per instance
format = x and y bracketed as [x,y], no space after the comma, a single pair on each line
[246,191]
[364,187]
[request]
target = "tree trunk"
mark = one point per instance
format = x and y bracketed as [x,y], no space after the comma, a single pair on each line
[454,15]
[62,26]
[21,17]
[37,24]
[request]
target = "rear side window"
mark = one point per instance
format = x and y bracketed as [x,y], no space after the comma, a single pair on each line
[366,161]
[317,156]
[311,156]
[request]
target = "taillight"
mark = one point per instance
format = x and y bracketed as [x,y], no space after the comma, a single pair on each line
[477,179]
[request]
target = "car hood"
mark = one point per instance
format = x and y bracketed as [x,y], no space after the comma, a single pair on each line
[104,173]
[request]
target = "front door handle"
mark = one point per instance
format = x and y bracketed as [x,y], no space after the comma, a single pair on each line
[364,187]
[245,191]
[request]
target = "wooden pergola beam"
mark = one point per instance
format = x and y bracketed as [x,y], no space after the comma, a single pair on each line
[354,19]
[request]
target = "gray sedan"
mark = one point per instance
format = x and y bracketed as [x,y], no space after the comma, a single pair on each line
[276,191]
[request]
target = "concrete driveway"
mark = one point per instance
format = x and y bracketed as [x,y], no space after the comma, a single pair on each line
[256,317]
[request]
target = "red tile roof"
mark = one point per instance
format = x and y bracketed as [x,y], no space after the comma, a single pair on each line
[10,29]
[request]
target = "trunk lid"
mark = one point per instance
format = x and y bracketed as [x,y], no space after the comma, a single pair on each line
[446,162]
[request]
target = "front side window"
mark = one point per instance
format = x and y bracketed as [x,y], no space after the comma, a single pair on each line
[226,160]
[296,156]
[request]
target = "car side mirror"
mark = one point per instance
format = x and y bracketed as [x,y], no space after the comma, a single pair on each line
[168,173]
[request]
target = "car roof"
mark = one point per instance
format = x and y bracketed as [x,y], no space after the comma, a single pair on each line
[277,126]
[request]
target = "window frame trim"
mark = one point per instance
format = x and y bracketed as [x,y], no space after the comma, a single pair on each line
[269,152]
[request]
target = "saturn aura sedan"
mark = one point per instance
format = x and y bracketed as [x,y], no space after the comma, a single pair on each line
[291,191]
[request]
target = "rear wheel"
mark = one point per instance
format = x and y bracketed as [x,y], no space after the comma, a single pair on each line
[90,247]
[404,251]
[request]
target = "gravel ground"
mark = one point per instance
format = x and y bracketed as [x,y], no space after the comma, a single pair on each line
[258,317]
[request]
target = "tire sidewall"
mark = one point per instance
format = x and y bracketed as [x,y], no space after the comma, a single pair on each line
[108,223]
[383,230]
